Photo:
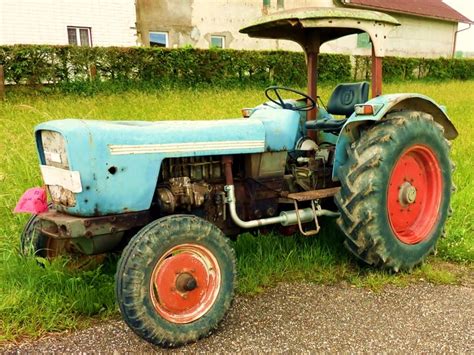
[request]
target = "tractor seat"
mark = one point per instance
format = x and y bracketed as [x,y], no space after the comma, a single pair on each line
[342,102]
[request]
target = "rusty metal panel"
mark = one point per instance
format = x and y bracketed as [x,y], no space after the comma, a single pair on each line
[314,194]
[61,225]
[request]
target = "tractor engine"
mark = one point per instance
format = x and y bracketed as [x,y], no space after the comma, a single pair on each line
[181,192]
[187,183]
[196,185]
[193,185]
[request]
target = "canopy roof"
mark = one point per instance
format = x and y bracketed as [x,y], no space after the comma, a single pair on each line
[313,26]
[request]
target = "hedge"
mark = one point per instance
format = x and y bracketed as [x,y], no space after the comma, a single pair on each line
[403,69]
[39,64]
[27,64]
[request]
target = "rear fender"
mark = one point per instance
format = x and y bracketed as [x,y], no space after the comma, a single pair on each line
[388,104]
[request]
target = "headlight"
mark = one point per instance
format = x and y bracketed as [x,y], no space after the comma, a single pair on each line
[54,149]
[55,171]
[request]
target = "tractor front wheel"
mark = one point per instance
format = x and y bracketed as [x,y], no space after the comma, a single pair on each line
[175,280]
[396,190]
[34,243]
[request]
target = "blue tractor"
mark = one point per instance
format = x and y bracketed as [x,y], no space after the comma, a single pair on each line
[170,193]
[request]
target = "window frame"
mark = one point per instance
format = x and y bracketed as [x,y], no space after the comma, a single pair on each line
[167,37]
[78,35]
[221,37]
[364,41]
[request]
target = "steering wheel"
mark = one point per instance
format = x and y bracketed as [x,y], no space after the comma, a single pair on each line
[288,106]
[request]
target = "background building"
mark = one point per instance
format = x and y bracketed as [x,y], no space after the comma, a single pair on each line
[81,22]
[428,28]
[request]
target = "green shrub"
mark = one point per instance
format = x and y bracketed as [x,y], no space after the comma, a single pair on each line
[76,68]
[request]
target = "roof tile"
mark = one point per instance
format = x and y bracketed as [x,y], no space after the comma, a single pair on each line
[424,8]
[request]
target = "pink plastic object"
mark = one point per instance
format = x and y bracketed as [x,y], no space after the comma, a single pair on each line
[33,201]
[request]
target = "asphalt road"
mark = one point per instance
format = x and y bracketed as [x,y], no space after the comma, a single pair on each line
[311,318]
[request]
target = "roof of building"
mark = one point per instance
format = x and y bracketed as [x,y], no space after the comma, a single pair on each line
[424,8]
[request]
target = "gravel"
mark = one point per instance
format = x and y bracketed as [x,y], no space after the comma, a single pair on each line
[309,318]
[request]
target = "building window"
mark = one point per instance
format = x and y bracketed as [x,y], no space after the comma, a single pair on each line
[79,36]
[280,4]
[217,42]
[159,39]
[363,40]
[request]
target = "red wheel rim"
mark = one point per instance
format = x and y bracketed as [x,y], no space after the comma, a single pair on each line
[185,283]
[414,194]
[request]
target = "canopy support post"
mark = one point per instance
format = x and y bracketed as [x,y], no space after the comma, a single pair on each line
[376,74]
[311,43]
[312,57]
[312,89]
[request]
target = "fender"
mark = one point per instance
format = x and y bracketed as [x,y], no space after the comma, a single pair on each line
[385,104]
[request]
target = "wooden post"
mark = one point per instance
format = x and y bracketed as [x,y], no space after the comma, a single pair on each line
[93,71]
[2,83]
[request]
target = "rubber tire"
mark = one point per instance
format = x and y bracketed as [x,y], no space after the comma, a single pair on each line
[136,266]
[362,200]
[32,242]
[35,244]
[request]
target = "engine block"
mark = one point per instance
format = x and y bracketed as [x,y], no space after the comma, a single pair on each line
[196,168]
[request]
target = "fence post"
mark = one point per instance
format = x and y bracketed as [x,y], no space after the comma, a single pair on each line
[93,71]
[2,83]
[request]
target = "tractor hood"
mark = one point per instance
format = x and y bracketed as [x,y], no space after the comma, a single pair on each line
[113,166]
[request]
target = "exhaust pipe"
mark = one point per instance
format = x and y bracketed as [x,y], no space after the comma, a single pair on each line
[286,218]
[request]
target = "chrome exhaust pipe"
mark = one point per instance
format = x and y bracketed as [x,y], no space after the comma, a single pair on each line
[286,218]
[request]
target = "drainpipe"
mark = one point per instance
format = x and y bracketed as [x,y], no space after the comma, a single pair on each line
[456,38]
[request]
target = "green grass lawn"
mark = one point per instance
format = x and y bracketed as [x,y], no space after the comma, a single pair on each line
[36,300]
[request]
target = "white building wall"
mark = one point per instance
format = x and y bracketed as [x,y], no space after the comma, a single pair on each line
[112,22]
[422,37]
[227,17]
[416,37]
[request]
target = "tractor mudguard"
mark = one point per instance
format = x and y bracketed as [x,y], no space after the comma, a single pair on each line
[385,104]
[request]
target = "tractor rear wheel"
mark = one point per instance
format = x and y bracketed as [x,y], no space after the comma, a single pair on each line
[395,191]
[175,280]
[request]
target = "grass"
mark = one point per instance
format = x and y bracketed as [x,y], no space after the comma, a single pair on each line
[36,300]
